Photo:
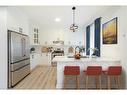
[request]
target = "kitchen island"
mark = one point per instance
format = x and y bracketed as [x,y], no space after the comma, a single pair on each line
[83,63]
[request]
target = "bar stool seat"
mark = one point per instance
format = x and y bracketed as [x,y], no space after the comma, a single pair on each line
[114,72]
[93,71]
[71,71]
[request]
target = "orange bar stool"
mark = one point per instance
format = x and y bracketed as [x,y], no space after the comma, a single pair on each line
[71,71]
[114,72]
[94,71]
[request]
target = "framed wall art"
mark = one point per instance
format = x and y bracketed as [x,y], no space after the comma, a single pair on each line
[109,32]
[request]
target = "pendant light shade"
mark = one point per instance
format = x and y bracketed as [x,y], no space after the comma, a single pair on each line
[73,26]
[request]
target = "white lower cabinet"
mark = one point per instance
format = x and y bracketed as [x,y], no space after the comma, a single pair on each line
[46,58]
[34,60]
[40,59]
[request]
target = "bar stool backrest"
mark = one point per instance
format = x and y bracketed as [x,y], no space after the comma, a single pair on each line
[94,70]
[71,70]
[114,70]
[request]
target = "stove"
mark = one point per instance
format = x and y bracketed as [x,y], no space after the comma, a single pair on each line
[57,52]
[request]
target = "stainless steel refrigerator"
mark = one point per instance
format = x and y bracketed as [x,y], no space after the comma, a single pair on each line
[18,57]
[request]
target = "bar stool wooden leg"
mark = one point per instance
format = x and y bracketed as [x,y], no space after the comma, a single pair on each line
[116,80]
[100,81]
[96,81]
[87,80]
[109,82]
[77,80]
[119,82]
[65,82]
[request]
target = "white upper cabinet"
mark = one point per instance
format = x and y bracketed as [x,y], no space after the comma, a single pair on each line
[34,34]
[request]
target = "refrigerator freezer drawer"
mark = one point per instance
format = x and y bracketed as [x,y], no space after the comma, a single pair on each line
[20,74]
[18,65]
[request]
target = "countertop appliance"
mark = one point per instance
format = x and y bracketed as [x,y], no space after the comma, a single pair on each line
[18,57]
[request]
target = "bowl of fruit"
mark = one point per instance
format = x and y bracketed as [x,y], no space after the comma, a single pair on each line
[77,56]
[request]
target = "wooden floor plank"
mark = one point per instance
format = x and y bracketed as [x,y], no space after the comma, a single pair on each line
[33,80]
[50,81]
[45,80]
[42,77]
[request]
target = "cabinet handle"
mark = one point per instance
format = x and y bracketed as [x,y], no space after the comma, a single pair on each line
[32,56]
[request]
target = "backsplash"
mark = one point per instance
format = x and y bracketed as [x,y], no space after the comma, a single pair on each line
[50,48]
[37,48]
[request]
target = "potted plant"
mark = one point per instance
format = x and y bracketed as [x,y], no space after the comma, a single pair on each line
[32,50]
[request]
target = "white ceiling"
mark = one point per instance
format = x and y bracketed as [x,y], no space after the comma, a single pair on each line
[45,15]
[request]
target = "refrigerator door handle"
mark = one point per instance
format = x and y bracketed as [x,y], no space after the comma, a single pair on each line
[22,47]
[11,50]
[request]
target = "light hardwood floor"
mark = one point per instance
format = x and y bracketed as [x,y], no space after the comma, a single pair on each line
[42,77]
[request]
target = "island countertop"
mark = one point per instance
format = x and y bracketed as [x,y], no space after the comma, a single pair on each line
[96,59]
[63,61]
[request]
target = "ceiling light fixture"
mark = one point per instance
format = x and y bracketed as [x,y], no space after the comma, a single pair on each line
[73,27]
[57,19]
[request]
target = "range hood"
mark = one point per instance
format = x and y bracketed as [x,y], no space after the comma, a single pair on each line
[58,42]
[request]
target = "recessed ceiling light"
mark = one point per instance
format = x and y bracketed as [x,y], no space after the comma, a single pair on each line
[57,19]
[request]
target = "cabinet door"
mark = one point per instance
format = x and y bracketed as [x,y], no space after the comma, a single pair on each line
[32,61]
[35,60]
[36,36]
[39,59]
[49,58]
[44,58]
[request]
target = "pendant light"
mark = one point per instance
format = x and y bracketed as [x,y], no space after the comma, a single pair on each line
[73,26]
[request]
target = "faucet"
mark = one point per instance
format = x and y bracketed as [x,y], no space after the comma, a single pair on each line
[88,50]
[92,49]
[76,48]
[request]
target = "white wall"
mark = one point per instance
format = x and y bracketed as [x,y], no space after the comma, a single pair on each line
[65,34]
[114,48]
[117,50]
[3,49]
[17,18]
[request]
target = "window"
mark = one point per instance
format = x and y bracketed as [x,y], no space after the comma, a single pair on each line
[93,38]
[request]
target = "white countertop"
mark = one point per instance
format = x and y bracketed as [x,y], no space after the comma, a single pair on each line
[66,59]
